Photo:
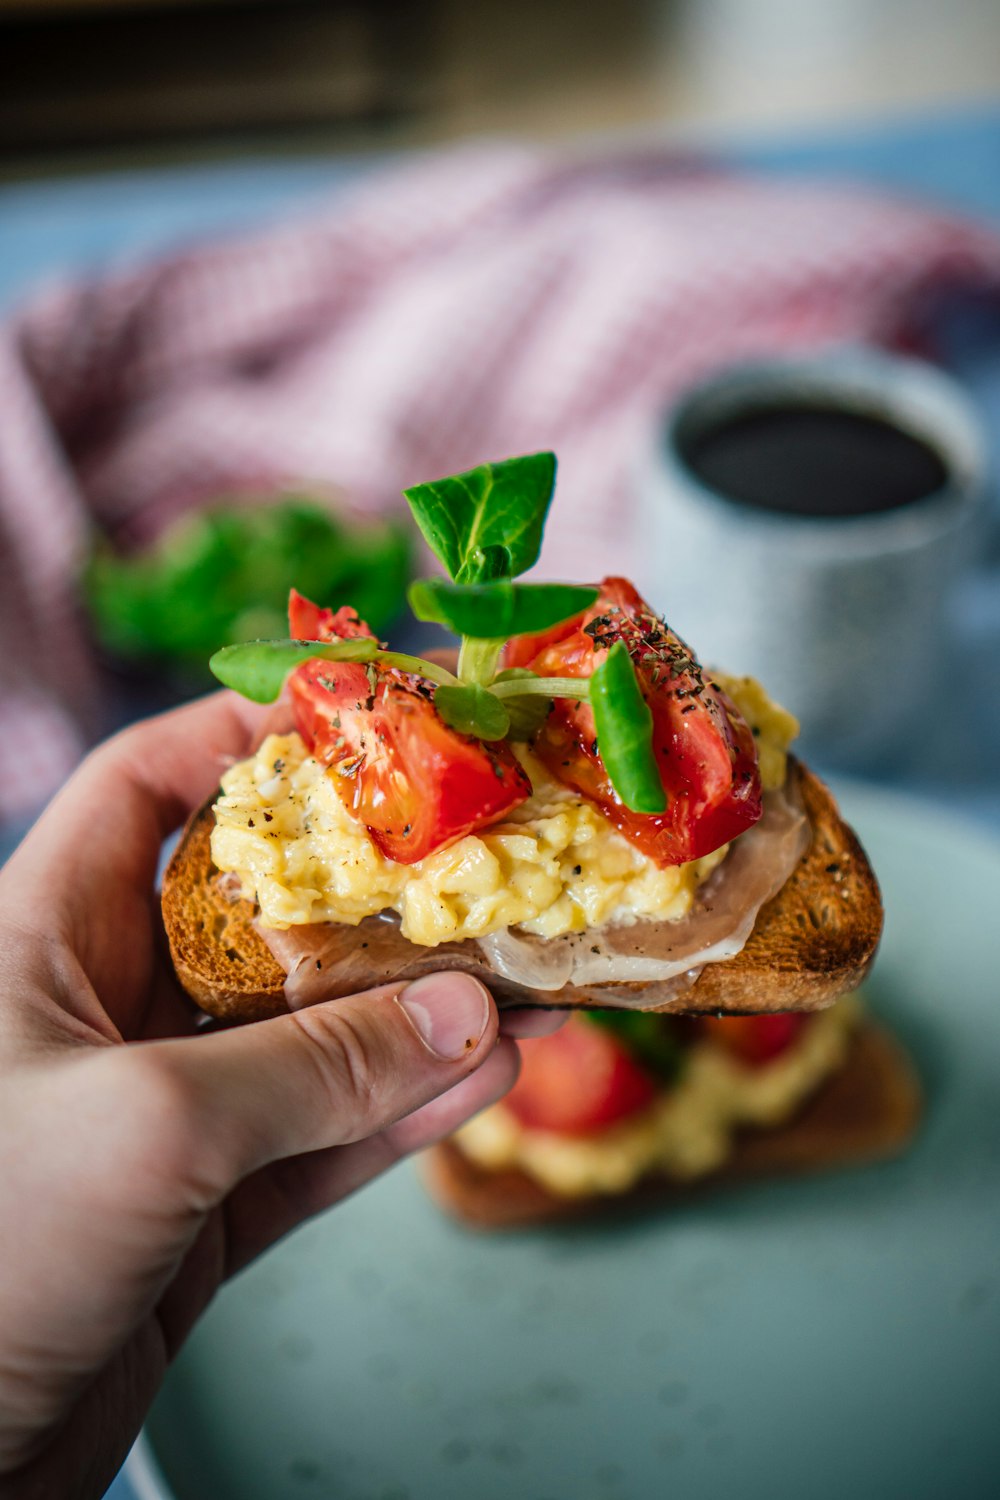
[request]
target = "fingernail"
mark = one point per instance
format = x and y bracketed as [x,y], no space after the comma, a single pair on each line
[449,1013]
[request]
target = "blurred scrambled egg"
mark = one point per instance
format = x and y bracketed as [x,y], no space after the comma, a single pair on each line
[552,866]
[688,1129]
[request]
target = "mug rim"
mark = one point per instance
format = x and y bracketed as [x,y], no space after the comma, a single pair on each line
[919,398]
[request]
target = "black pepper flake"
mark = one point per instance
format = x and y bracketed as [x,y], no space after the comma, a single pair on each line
[364,945]
[688,707]
[268,818]
[594,948]
[593,747]
[251,823]
[319,963]
[577,869]
[279,766]
[406,830]
[353,766]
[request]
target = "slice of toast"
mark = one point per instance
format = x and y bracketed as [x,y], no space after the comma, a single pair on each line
[812,942]
[866,1111]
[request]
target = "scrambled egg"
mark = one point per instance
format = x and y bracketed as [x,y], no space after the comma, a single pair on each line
[686,1132]
[773,727]
[552,866]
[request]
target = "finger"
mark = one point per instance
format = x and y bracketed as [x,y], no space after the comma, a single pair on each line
[177,759]
[273,1201]
[167,1009]
[222,1105]
[532,1020]
[170,762]
[96,848]
[433,1121]
[107,823]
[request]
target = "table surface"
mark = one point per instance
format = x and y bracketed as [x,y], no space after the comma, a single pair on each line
[92,224]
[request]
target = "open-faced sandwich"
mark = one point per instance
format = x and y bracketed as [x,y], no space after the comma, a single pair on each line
[575,810]
[628,1110]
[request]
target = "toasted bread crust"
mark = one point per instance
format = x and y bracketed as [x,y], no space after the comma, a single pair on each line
[222,962]
[867,1111]
[814,941]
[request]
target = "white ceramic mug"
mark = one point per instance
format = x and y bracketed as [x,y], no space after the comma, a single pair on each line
[843,619]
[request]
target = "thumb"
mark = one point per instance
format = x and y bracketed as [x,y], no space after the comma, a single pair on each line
[332,1073]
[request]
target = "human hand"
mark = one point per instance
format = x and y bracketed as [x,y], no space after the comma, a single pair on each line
[141,1164]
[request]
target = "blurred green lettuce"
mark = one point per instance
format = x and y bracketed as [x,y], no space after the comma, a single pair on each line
[223,575]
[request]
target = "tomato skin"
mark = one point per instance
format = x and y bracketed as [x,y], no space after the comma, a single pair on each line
[309,622]
[523,650]
[578,1081]
[703,746]
[416,784]
[756,1040]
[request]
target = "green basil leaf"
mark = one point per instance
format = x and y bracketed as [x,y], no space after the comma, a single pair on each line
[487,523]
[497,611]
[257,669]
[472,710]
[222,575]
[527,711]
[625,733]
[418,666]
[527,715]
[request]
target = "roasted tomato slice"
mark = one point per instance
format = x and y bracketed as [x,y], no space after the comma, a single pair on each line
[416,784]
[310,622]
[578,1081]
[704,747]
[756,1039]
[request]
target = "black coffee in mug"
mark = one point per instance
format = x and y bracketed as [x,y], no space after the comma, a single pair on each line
[807,521]
[802,458]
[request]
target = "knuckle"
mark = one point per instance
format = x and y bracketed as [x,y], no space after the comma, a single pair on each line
[162,1109]
[348,1066]
[123,749]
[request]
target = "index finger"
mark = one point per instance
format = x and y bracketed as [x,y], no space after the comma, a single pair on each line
[178,758]
[110,819]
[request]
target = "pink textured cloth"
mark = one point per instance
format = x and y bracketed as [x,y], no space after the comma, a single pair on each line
[488,301]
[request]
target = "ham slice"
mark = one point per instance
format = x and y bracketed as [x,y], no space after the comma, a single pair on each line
[618,963]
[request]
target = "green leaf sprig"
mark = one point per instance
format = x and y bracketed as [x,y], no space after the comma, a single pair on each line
[486,528]
[487,523]
[257,669]
[223,574]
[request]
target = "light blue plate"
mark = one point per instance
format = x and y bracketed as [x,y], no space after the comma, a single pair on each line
[835,1337]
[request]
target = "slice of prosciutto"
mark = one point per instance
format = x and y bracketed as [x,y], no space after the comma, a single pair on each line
[614,965]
